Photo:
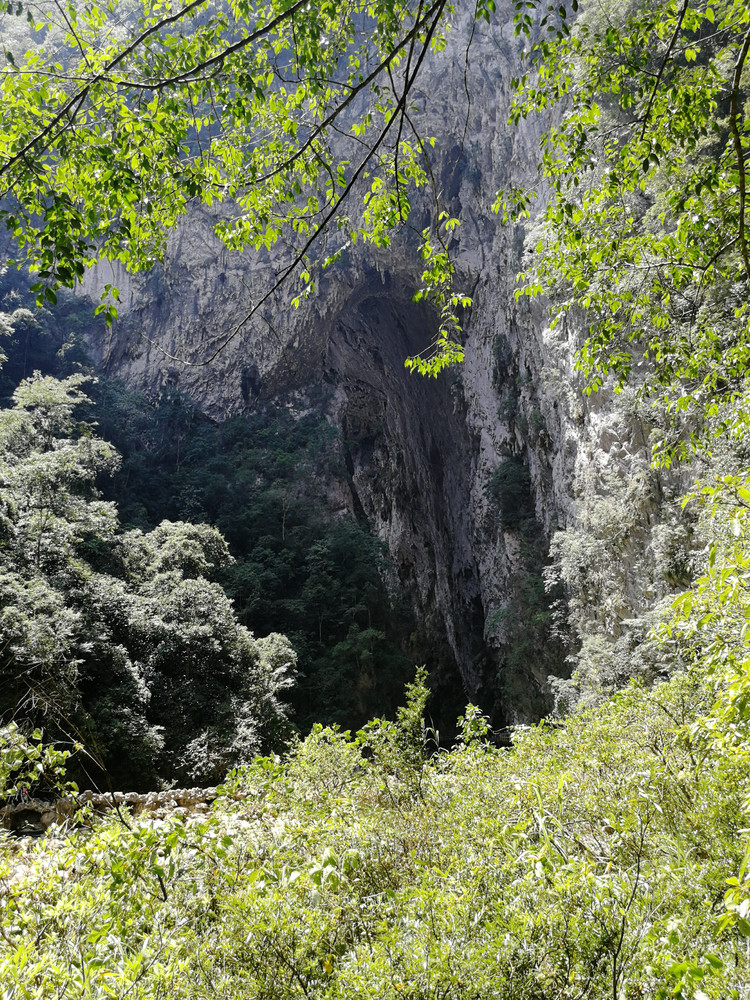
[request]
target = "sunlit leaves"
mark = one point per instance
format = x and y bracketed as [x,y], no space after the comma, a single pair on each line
[438,288]
[643,227]
[587,854]
[107,141]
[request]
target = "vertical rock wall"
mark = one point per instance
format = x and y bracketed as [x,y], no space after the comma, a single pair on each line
[421,453]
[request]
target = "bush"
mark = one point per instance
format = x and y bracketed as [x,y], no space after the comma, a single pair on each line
[603,858]
[509,489]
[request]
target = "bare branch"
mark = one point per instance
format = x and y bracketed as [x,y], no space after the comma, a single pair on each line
[663,66]
[733,115]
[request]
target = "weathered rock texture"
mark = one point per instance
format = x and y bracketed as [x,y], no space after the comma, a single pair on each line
[33,815]
[421,453]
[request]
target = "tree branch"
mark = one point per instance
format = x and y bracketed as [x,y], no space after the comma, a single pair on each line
[734,112]
[354,92]
[76,101]
[217,60]
[300,255]
[401,116]
[663,66]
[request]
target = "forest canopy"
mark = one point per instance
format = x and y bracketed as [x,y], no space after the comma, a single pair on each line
[116,640]
[127,113]
[604,857]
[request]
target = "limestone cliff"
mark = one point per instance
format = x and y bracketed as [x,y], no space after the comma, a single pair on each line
[421,454]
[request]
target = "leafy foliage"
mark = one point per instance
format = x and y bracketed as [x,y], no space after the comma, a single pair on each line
[628,552]
[119,639]
[50,340]
[283,112]
[298,566]
[645,225]
[27,762]
[510,489]
[592,859]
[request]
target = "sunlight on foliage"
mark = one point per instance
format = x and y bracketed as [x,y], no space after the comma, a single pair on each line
[589,860]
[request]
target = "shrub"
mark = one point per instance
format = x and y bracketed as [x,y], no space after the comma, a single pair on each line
[509,489]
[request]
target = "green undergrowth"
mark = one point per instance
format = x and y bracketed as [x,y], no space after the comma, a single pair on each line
[590,860]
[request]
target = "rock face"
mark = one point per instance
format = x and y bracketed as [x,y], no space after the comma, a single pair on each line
[33,815]
[421,453]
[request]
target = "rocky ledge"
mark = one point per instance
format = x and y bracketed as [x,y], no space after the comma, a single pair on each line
[34,815]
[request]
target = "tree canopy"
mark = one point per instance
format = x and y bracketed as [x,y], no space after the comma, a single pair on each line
[644,231]
[119,640]
[297,117]
[127,113]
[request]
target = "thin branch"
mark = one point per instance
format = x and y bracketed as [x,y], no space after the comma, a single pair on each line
[220,57]
[324,124]
[466,75]
[401,116]
[300,255]
[742,55]
[428,165]
[663,66]
[72,32]
[42,74]
[76,101]
[706,268]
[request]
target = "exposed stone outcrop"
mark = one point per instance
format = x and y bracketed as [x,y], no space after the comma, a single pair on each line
[421,453]
[33,815]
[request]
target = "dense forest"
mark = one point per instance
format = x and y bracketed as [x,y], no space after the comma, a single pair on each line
[179,603]
[144,542]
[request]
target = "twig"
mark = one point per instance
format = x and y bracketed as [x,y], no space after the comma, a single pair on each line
[401,116]
[220,57]
[663,66]
[72,32]
[742,55]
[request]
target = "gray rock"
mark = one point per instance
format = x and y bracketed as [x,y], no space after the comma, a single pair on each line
[421,452]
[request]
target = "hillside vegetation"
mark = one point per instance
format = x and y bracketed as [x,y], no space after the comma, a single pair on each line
[603,859]
[125,622]
[605,855]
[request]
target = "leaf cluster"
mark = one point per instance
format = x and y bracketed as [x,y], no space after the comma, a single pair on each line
[643,179]
[587,859]
[280,111]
